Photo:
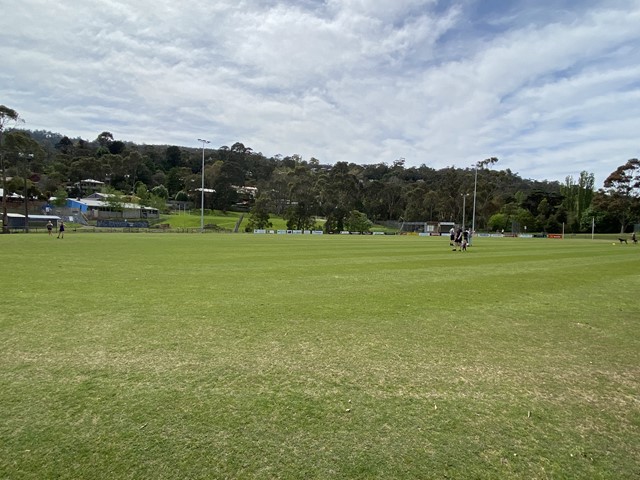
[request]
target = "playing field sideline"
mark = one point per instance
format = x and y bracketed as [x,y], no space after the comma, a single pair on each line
[167,356]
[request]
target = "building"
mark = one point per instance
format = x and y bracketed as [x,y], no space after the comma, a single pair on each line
[11,196]
[433,228]
[15,221]
[88,186]
[97,206]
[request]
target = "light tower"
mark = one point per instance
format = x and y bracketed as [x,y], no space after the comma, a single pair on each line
[204,142]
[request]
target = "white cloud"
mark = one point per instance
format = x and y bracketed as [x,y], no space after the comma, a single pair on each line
[550,90]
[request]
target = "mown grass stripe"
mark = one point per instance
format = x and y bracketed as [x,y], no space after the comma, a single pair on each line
[242,356]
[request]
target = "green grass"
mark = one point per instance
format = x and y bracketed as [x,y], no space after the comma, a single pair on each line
[149,356]
[226,220]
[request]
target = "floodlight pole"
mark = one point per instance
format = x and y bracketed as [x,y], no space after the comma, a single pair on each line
[464,206]
[204,142]
[473,215]
[5,227]
[26,158]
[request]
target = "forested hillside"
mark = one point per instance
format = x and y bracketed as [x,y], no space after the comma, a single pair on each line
[301,189]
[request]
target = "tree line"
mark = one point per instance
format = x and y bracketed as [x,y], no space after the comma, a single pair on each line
[45,164]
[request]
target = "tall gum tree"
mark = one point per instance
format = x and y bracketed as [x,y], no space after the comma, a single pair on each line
[622,193]
[8,116]
[25,153]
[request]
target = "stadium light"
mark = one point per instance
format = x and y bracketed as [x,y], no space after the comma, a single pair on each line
[464,206]
[204,142]
[26,157]
[473,215]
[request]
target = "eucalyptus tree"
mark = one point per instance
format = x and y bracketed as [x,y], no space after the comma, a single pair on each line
[115,199]
[114,170]
[493,193]
[586,191]
[393,197]
[482,193]
[416,208]
[8,116]
[341,194]
[84,148]
[172,158]
[302,198]
[175,180]
[430,202]
[117,147]
[142,194]
[277,189]
[259,168]
[160,191]
[60,197]
[224,195]
[577,197]
[450,189]
[64,145]
[373,203]
[358,222]
[87,167]
[259,217]
[133,164]
[238,153]
[25,153]
[105,139]
[621,194]
[375,171]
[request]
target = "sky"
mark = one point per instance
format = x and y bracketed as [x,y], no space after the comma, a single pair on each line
[549,87]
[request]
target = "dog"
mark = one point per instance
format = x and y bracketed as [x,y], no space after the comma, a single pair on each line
[622,240]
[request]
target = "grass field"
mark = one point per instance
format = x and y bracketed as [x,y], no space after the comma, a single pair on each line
[173,356]
[226,221]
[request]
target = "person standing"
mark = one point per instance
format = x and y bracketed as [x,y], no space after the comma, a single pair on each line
[458,241]
[61,231]
[50,228]
[452,236]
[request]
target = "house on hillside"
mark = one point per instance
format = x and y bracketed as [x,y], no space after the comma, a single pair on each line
[246,197]
[88,186]
[11,196]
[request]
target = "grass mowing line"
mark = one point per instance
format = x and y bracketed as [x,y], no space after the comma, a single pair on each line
[354,357]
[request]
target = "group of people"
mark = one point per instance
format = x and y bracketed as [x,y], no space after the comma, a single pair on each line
[459,239]
[60,229]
